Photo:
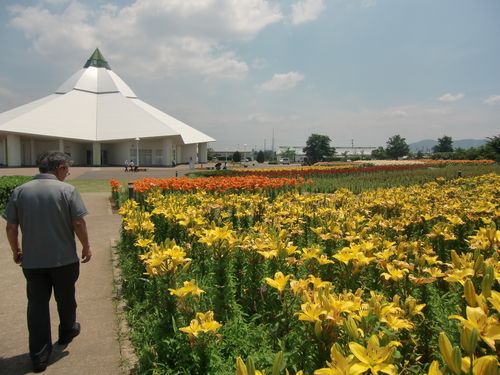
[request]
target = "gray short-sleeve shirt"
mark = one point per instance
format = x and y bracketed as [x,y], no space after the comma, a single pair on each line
[45,209]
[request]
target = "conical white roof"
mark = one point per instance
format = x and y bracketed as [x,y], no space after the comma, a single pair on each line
[95,104]
[97,81]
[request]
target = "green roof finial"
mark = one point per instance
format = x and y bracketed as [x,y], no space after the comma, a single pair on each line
[97,60]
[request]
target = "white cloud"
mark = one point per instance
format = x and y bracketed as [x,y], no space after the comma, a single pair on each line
[448,98]
[163,37]
[306,10]
[368,3]
[493,100]
[282,82]
[9,98]
[439,111]
[414,111]
[395,112]
[270,118]
[6,93]
[55,2]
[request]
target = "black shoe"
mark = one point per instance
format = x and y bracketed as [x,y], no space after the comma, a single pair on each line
[41,360]
[66,336]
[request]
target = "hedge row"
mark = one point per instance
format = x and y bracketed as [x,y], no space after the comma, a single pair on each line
[7,185]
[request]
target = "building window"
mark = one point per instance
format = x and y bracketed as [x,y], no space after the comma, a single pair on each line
[158,156]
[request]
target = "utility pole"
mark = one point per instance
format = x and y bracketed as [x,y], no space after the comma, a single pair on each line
[272,147]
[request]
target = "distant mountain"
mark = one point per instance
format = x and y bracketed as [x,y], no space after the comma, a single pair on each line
[426,145]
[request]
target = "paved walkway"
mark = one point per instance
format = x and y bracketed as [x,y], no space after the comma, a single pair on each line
[96,350]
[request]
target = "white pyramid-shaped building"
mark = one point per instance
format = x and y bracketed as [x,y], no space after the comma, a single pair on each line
[96,118]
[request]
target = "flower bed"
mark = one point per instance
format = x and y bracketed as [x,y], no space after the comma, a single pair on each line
[402,280]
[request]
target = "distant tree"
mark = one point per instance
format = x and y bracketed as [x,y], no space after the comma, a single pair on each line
[419,154]
[379,153]
[492,147]
[445,144]
[288,153]
[397,147]
[260,157]
[269,155]
[318,148]
[237,157]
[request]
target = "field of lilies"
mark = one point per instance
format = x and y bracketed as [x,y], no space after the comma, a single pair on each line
[263,277]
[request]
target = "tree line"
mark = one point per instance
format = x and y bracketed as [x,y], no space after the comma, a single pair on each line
[396,147]
[318,148]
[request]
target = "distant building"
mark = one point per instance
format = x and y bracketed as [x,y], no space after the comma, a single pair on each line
[299,154]
[97,119]
[339,151]
[354,150]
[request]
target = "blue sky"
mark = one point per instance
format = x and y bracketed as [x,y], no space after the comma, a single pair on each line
[356,70]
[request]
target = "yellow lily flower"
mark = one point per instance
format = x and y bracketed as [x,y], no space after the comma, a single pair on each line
[447,352]
[495,300]
[310,252]
[354,253]
[459,275]
[148,226]
[413,308]
[339,365]
[434,369]
[434,272]
[268,254]
[488,327]
[374,357]
[442,229]
[318,283]
[216,235]
[163,258]
[204,322]
[486,365]
[394,273]
[397,323]
[241,368]
[299,286]
[279,282]
[311,312]
[188,288]
[323,259]
[143,242]
[193,329]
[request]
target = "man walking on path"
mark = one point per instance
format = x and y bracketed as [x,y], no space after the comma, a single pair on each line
[49,212]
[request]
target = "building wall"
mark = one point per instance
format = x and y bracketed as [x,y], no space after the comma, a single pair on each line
[77,151]
[14,150]
[118,153]
[202,152]
[358,151]
[189,153]
[3,150]
[158,152]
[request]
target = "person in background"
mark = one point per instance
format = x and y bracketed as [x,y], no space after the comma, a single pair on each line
[49,213]
[126,165]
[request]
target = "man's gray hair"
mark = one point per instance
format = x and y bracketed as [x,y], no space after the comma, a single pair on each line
[50,161]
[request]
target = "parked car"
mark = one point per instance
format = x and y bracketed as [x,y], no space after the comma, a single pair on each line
[285,161]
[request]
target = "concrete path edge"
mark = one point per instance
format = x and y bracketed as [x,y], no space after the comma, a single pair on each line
[129,360]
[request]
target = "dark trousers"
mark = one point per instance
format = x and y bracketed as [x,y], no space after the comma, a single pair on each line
[39,285]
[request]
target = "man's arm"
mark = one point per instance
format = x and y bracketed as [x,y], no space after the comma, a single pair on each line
[80,228]
[13,237]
